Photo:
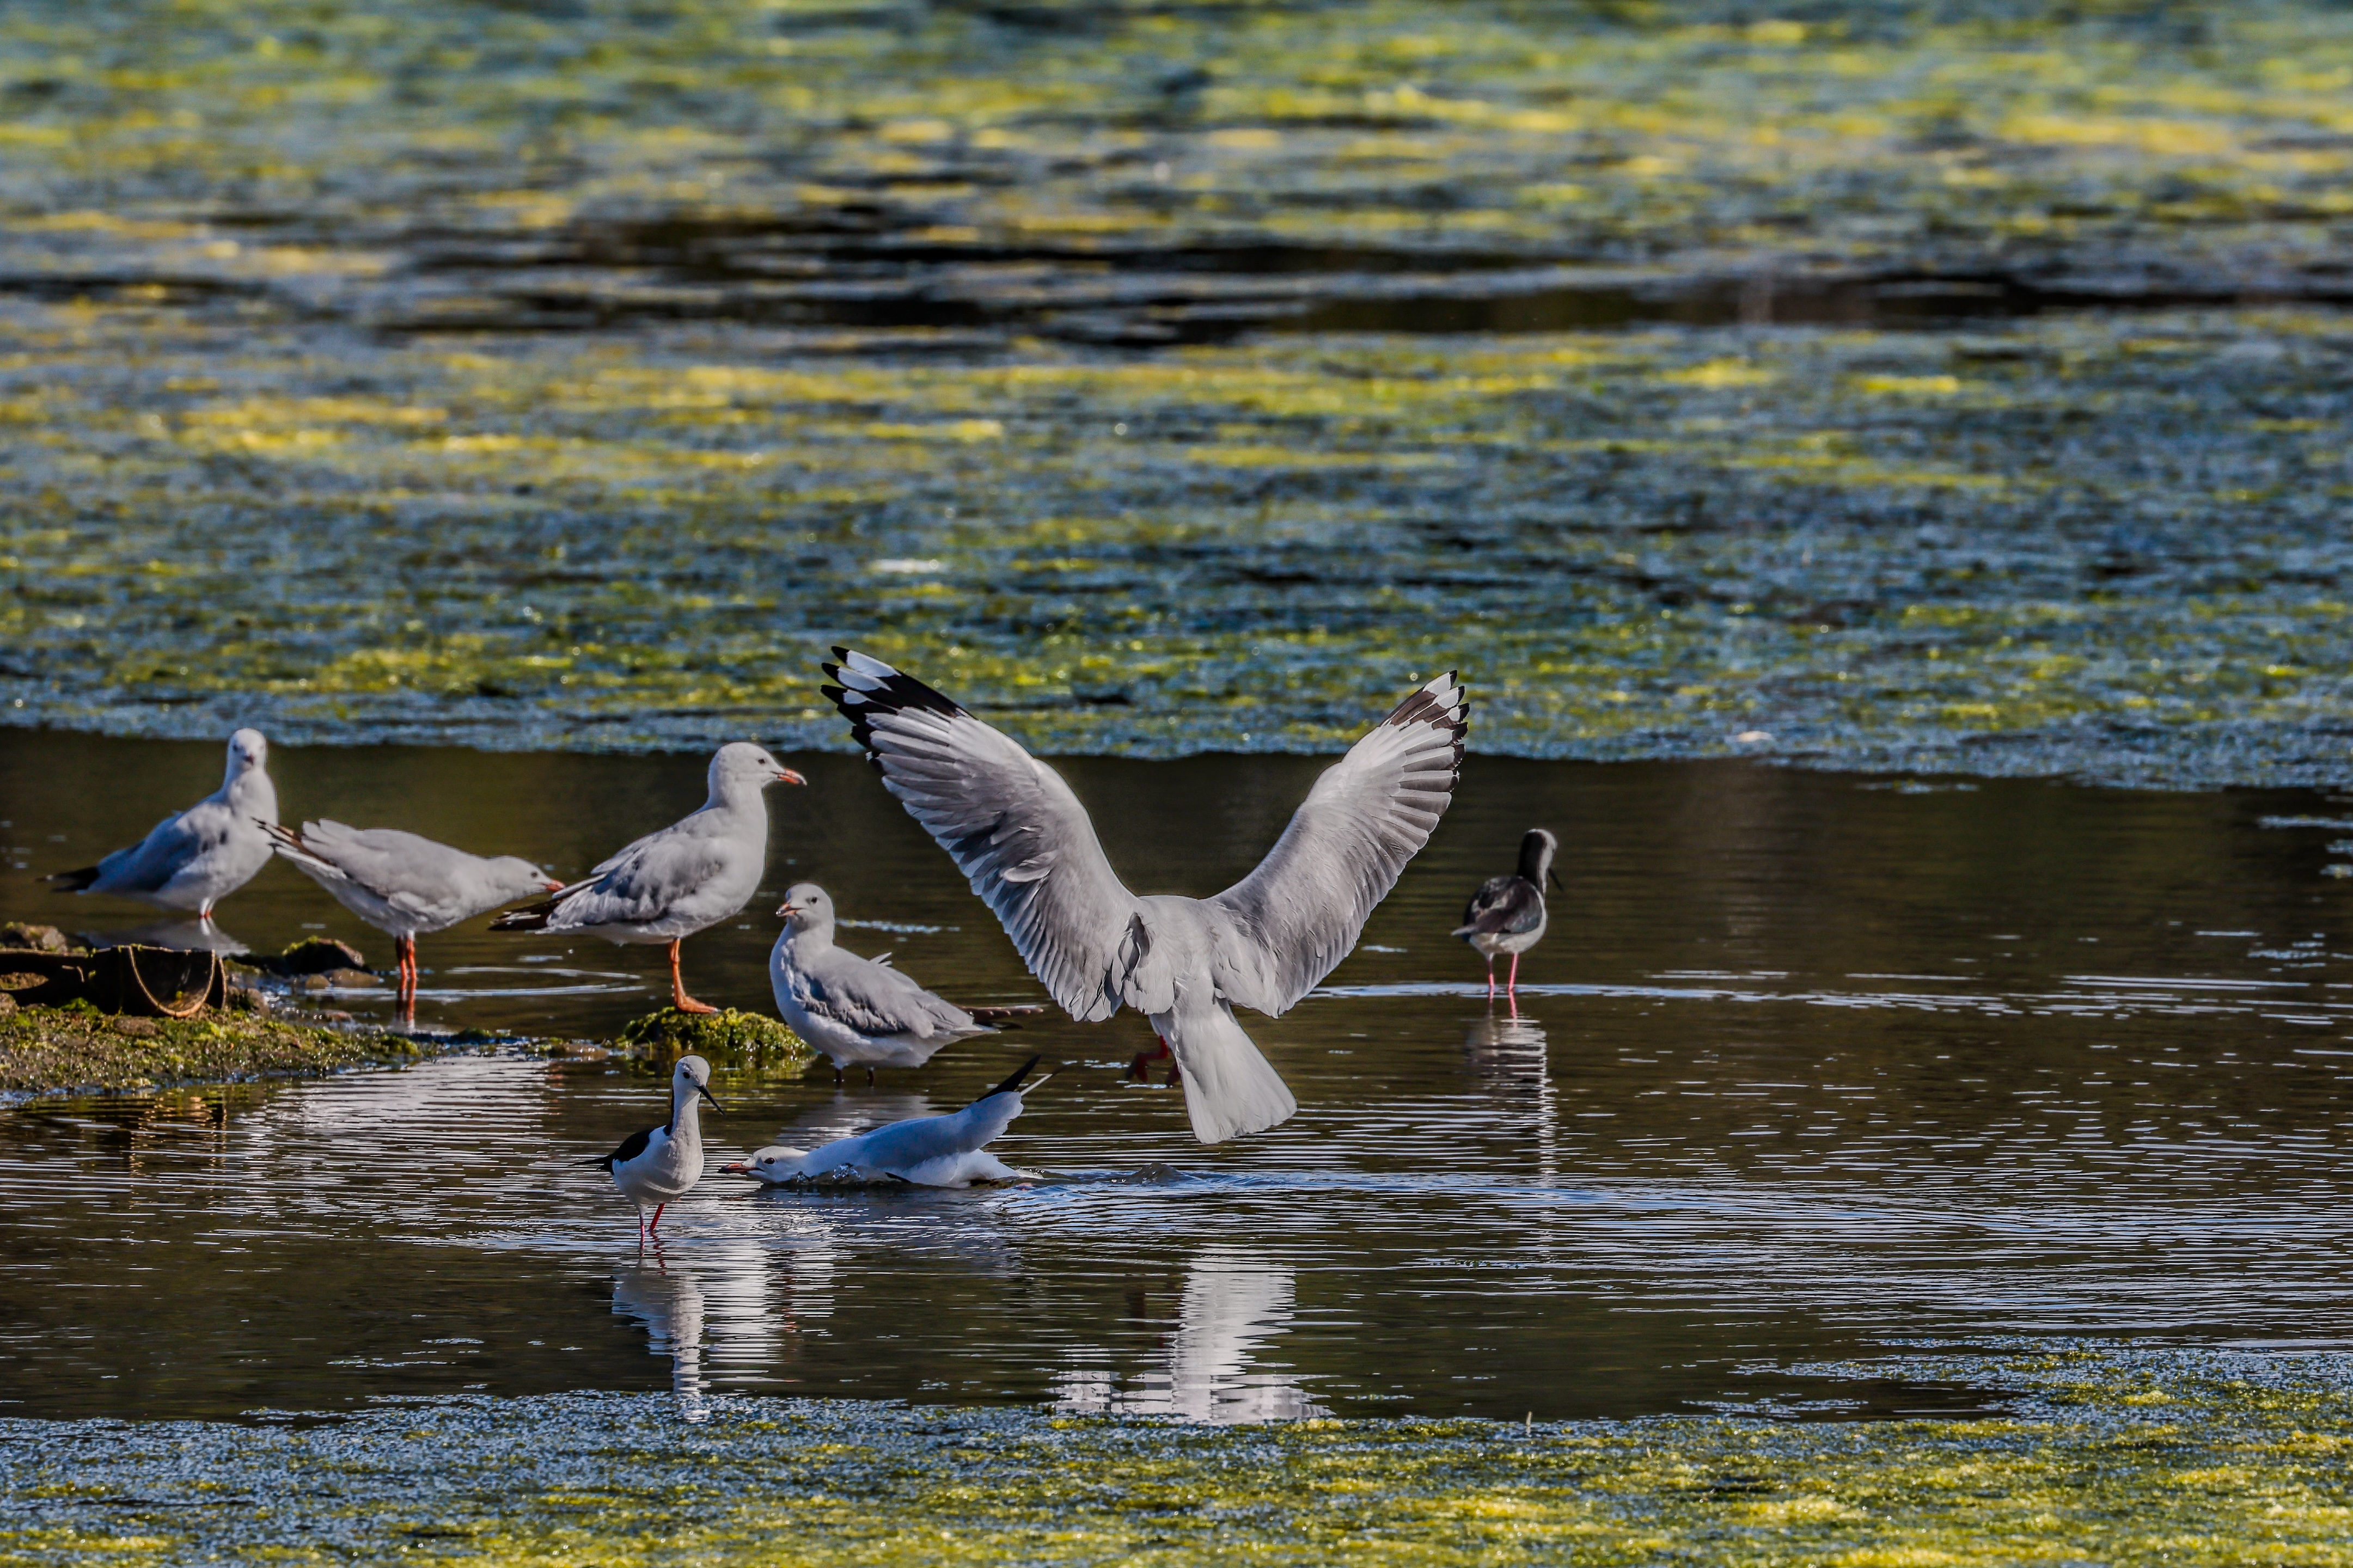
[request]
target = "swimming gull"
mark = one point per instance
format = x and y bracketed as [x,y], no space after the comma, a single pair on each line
[949,1151]
[661,1164]
[668,885]
[858,1011]
[196,857]
[1507,914]
[1014,829]
[404,885]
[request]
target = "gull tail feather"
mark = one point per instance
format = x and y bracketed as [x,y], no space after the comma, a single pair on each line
[1229,1088]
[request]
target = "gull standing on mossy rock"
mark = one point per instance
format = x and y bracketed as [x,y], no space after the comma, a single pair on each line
[949,1151]
[404,885]
[858,1011]
[662,1165]
[1507,914]
[198,856]
[1014,829]
[668,885]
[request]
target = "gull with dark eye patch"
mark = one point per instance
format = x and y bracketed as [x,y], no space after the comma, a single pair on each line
[667,886]
[1507,914]
[662,1164]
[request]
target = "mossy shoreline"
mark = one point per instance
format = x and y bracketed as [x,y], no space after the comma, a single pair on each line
[2116,1455]
[68,1050]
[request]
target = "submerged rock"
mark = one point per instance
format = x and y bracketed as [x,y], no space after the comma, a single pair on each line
[24,934]
[729,1037]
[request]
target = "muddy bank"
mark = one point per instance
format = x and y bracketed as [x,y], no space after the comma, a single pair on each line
[2110,1455]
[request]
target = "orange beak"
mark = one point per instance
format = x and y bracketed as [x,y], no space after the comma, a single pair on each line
[787,775]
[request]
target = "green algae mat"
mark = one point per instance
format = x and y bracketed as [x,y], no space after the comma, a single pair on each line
[2114,1455]
[1159,380]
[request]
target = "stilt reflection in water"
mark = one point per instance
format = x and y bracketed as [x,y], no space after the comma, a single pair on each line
[712,1317]
[1234,1305]
[1510,1053]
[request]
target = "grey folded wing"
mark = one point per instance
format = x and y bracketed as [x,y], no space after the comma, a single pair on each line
[1011,825]
[903,1145]
[168,849]
[875,1000]
[641,883]
[1504,906]
[1288,924]
[407,871]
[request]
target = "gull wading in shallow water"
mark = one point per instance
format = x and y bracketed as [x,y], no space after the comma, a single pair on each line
[1507,914]
[198,856]
[949,1151]
[1013,827]
[659,1165]
[404,885]
[858,1011]
[668,885]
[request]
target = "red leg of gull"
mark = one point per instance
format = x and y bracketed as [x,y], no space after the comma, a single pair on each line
[677,997]
[1135,1069]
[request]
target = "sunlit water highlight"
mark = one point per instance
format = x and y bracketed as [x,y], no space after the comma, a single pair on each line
[1804,1066]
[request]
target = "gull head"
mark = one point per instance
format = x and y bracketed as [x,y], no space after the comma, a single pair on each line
[739,764]
[775,1163]
[690,1077]
[517,878]
[247,753]
[807,906]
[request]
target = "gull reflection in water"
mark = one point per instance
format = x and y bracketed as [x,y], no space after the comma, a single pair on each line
[1234,1304]
[712,1316]
[187,936]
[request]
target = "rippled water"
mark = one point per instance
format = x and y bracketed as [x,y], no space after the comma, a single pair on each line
[1809,1063]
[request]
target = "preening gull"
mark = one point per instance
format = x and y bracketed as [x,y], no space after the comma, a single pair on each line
[404,885]
[858,1011]
[1013,827]
[668,885]
[1507,914]
[197,858]
[661,1164]
[949,1151]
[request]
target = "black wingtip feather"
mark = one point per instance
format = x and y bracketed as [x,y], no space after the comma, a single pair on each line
[73,881]
[1010,1084]
[898,693]
[531,917]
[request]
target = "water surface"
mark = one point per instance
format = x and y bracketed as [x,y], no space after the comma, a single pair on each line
[1808,1064]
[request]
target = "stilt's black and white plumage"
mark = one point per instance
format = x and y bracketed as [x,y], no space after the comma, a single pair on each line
[662,1165]
[949,1151]
[1507,914]
[1014,829]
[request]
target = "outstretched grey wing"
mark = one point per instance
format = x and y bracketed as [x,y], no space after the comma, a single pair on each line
[906,1144]
[1011,825]
[1289,923]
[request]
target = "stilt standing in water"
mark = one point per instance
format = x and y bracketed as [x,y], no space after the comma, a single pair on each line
[662,1164]
[693,874]
[195,859]
[1507,914]
[406,886]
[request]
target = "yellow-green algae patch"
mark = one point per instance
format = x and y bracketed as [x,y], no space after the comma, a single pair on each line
[2111,1454]
[728,1037]
[54,1048]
